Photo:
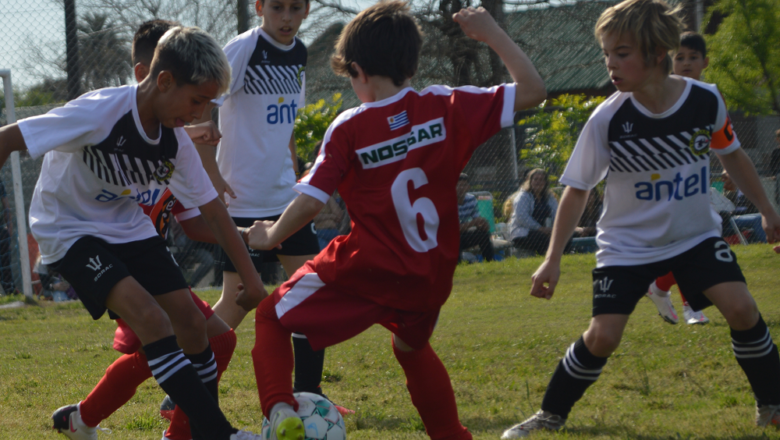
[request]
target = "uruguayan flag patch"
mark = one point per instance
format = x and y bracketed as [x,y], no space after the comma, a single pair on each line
[398,120]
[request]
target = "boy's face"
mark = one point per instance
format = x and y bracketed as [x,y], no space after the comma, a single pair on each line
[689,63]
[625,62]
[180,105]
[282,18]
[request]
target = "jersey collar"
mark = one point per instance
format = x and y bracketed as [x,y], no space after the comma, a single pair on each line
[276,44]
[138,126]
[387,101]
[680,101]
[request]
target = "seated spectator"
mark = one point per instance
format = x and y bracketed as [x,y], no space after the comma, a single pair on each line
[587,225]
[745,214]
[533,212]
[474,229]
[327,222]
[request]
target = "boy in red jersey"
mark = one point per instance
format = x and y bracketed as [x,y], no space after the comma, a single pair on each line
[398,180]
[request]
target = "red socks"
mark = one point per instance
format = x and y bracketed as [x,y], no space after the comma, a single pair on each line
[272,358]
[432,395]
[665,282]
[116,388]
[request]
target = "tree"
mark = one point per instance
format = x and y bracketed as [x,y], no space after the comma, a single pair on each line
[312,122]
[552,131]
[745,55]
[104,52]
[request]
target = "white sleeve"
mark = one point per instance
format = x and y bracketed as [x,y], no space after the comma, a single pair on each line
[303,89]
[238,51]
[190,183]
[589,162]
[186,215]
[86,120]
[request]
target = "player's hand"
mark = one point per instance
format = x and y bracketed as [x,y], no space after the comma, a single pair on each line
[223,188]
[256,237]
[477,24]
[548,273]
[771,225]
[248,299]
[205,133]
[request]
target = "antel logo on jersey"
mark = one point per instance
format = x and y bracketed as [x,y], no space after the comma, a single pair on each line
[148,197]
[677,188]
[700,142]
[396,149]
[281,113]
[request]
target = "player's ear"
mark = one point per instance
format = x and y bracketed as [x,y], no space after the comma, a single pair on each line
[259,8]
[361,74]
[165,81]
[141,71]
[308,6]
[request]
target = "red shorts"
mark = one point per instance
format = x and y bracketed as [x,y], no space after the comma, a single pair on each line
[328,315]
[127,342]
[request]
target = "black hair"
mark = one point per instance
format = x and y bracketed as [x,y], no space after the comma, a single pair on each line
[694,41]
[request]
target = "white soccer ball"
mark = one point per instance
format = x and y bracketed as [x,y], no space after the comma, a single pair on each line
[321,419]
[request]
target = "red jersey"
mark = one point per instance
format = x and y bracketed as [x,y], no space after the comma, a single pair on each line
[395,163]
[166,208]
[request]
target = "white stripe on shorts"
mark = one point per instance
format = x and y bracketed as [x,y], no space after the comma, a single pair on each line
[304,288]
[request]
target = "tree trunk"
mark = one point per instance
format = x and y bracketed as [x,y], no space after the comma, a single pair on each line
[72,49]
[242,13]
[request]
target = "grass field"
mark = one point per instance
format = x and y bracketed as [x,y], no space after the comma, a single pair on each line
[499,344]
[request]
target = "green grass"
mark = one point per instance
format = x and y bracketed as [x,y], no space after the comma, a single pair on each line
[499,344]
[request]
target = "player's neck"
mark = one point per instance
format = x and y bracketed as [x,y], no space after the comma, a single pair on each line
[145,96]
[382,87]
[659,93]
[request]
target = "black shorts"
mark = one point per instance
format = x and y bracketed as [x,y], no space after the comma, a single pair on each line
[303,242]
[93,267]
[617,289]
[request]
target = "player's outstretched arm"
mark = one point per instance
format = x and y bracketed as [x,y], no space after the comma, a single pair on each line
[479,25]
[216,216]
[569,212]
[267,235]
[11,140]
[743,172]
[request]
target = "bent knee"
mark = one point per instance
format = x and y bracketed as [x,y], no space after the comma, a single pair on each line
[601,343]
[742,315]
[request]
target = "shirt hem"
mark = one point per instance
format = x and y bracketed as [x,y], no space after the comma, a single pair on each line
[625,258]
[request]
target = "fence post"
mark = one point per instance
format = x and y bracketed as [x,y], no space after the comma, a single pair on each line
[16,171]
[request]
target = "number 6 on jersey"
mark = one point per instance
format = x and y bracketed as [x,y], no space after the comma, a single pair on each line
[407,211]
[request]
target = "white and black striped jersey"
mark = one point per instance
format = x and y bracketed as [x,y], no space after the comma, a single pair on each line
[99,165]
[257,118]
[657,166]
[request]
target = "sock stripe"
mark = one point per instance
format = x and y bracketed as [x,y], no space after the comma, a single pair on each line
[173,362]
[172,371]
[164,358]
[755,349]
[207,371]
[575,368]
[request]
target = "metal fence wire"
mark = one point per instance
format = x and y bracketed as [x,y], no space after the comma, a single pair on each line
[58,49]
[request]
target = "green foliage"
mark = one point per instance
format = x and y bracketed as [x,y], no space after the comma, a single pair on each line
[312,122]
[552,132]
[745,55]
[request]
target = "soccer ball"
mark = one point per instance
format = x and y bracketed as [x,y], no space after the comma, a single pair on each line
[321,419]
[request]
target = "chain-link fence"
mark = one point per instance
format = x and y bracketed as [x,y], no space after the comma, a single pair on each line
[57,49]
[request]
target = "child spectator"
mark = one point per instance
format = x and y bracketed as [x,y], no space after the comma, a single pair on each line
[395,268]
[104,153]
[256,163]
[651,196]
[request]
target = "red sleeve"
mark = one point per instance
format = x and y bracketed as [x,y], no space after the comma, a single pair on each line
[484,111]
[331,164]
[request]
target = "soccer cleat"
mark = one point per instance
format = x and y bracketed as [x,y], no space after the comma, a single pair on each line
[166,408]
[693,317]
[246,435]
[286,424]
[67,421]
[664,306]
[768,415]
[540,420]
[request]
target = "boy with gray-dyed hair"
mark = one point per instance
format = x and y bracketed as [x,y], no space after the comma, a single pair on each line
[105,153]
